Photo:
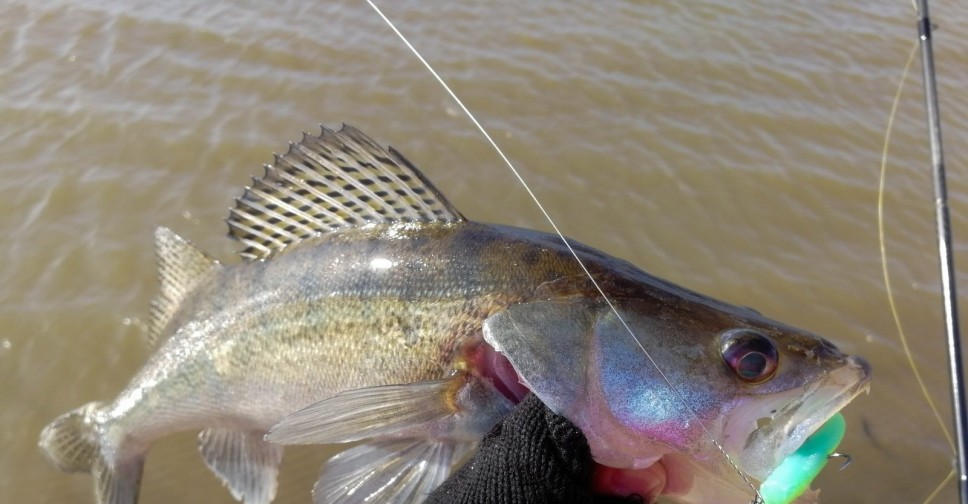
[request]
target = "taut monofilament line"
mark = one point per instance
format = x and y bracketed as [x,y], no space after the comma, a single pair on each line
[757,498]
[945,259]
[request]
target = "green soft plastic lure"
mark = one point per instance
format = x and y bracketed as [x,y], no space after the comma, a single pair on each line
[794,475]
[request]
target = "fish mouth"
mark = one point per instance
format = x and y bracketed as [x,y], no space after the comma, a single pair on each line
[786,429]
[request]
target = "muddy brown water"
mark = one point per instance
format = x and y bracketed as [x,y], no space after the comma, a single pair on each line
[731,147]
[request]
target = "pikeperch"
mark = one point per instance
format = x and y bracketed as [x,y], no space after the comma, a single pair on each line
[367,307]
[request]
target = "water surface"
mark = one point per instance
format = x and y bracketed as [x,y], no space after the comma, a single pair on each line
[731,147]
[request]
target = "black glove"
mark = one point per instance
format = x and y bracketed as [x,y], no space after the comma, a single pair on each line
[532,456]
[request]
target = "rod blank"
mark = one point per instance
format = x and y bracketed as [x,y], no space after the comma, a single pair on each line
[945,258]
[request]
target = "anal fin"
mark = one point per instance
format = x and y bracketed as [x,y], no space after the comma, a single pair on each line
[393,471]
[245,463]
[118,483]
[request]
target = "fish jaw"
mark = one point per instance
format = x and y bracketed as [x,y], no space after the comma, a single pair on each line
[803,412]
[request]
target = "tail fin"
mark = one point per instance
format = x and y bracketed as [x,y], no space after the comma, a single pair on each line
[72,442]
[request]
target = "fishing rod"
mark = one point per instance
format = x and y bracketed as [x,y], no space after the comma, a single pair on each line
[945,258]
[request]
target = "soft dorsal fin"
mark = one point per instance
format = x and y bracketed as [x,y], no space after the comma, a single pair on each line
[181,267]
[336,180]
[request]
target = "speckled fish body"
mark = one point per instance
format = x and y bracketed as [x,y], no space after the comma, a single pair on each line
[385,304]
[367,308]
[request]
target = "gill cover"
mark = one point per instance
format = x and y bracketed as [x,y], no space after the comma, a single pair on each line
[546,342]
[580,360]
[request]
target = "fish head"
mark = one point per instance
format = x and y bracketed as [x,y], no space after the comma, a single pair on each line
[677,373]
[767,420]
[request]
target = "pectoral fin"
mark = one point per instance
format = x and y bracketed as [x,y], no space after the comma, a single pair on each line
[421,430]
[245,463]
[459,407]
[393,471]
[363,413]
[547,342]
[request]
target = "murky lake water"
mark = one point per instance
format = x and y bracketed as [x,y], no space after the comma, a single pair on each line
[731,147]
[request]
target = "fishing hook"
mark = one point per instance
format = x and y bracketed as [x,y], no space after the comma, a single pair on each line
[847,459]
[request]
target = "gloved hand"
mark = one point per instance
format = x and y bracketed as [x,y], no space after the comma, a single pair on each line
[532,456]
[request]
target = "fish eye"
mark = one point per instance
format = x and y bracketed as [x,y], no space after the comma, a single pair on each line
[750,354]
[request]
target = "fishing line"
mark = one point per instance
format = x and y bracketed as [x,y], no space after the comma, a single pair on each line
[943,232]
[757,498]
[902,335]
[940,487]
[881,237]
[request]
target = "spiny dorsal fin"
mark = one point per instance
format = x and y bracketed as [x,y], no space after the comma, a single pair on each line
[336,180]
[181,267]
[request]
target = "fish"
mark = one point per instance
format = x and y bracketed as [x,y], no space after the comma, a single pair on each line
[365,308]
